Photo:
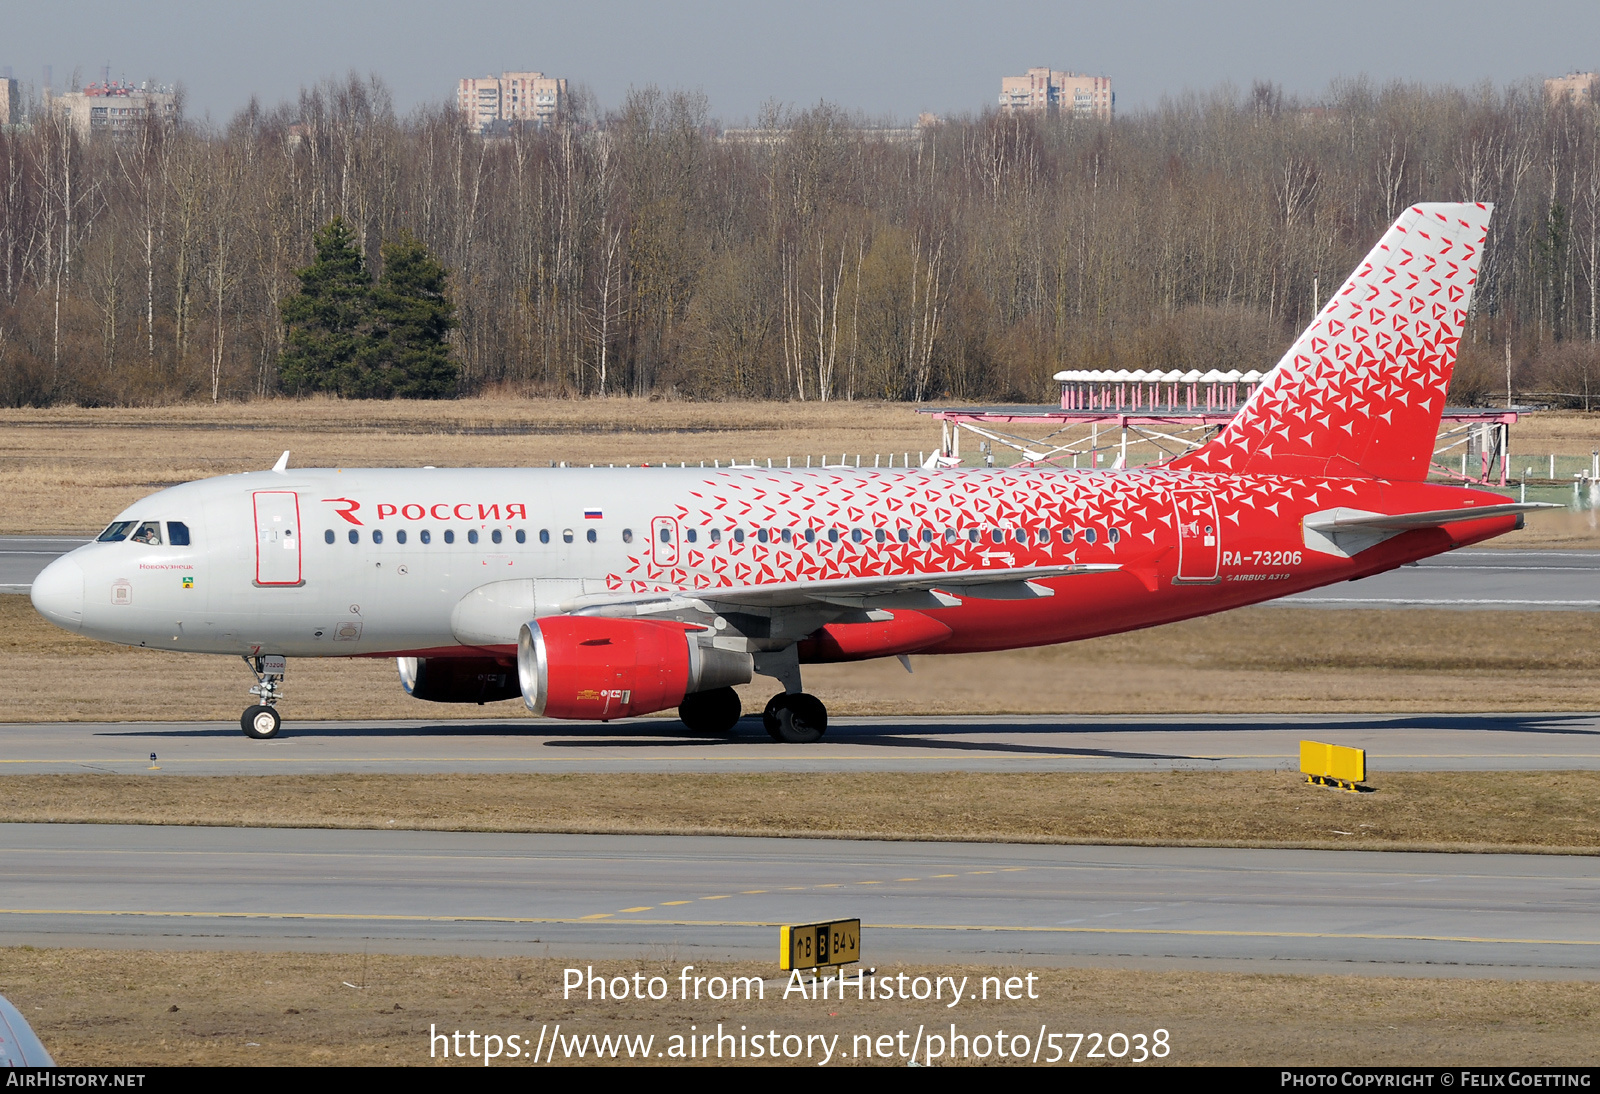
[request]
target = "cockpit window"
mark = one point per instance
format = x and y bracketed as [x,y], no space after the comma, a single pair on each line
[149,532]
[116,531]
[177,533]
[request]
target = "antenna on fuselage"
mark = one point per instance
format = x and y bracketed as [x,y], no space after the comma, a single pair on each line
[283,463]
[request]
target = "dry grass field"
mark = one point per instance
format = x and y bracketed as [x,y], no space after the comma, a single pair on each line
[1527,811]
[1247,661]
[131,1009]
[69,469]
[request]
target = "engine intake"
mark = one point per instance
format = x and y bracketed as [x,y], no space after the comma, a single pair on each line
[457,679]
[574,666]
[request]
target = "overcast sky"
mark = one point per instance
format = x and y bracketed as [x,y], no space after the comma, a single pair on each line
[887,59]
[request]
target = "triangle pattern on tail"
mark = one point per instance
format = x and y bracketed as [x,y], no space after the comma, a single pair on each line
[1360,392]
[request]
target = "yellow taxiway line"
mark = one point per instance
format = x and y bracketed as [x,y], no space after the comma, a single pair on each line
[1157,931]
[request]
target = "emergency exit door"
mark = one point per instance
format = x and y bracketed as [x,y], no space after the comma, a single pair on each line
[664,541]
[277,537]
[1199,536]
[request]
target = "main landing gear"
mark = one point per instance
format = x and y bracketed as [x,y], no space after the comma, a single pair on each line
[261,721]
[711,713]
[796,718]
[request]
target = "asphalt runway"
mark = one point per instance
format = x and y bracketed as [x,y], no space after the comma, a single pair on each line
[1233,742]
[690,899]
[22,557]
[1472,579]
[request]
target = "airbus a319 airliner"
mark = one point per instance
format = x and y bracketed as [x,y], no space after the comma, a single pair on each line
[600,594]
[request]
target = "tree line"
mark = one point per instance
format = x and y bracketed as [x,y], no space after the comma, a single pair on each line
[645,251]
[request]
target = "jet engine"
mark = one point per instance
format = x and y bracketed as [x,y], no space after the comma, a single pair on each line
[574,666]
[457,679]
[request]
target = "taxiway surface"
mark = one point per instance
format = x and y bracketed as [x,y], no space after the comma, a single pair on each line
[1394,742]
[702,898]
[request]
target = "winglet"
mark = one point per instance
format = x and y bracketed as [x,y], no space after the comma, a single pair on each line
[283,462]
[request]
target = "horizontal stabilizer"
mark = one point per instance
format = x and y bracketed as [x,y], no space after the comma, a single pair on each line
[1348,532]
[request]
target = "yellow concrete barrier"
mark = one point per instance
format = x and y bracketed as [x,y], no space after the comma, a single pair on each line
[1333,765]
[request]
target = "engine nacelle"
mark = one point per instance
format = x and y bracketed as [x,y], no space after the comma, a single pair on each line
[575,666]
[457,679]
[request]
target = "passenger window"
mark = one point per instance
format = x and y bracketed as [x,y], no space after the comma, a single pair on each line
[738,535]
[149,532]
[880,535]
[716,535]
[449,535]
[833,535]
[472,535]
[691,535]
[355,536]
[177,533]
[592,536]
[761,535]
[427,536]
[566,535]
[1088,535]
[495,535]
[544,535]
[400,536]
[786,535]
[972,535]
[1066,535]
[997,534]
[1114,535]
[627,535]
[377,535]
[927,535]
[949,535]
[811,535]
[905,535]
[116,532]
[327,537]
[857,535]
[666,534]
[522,537]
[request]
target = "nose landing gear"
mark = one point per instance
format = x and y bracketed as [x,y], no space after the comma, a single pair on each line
[261,722]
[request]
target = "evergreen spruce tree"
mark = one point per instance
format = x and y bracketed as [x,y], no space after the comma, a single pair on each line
[329,319]
[413,318]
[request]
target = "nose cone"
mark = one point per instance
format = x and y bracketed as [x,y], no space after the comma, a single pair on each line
[58,593]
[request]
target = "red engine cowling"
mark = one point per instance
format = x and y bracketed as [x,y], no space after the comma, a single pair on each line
[574,666]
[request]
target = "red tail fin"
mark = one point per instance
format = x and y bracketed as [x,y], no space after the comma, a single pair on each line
[1360,391]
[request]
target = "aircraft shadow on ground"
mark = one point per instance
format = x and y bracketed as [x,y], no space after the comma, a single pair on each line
[953,735]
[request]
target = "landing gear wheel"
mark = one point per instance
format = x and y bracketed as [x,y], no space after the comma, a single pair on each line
[795,719]
[769,717]
[711,713]
[260,723]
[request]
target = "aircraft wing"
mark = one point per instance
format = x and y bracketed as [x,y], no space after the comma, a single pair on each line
[937,590]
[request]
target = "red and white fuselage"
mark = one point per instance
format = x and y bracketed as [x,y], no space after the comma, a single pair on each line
[639,586]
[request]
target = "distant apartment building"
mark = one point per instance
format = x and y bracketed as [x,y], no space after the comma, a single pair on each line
[10,101]
[1580,88]
[527,97]
[1049,91]
[113,108]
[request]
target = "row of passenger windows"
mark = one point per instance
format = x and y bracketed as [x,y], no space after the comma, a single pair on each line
[786,535]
